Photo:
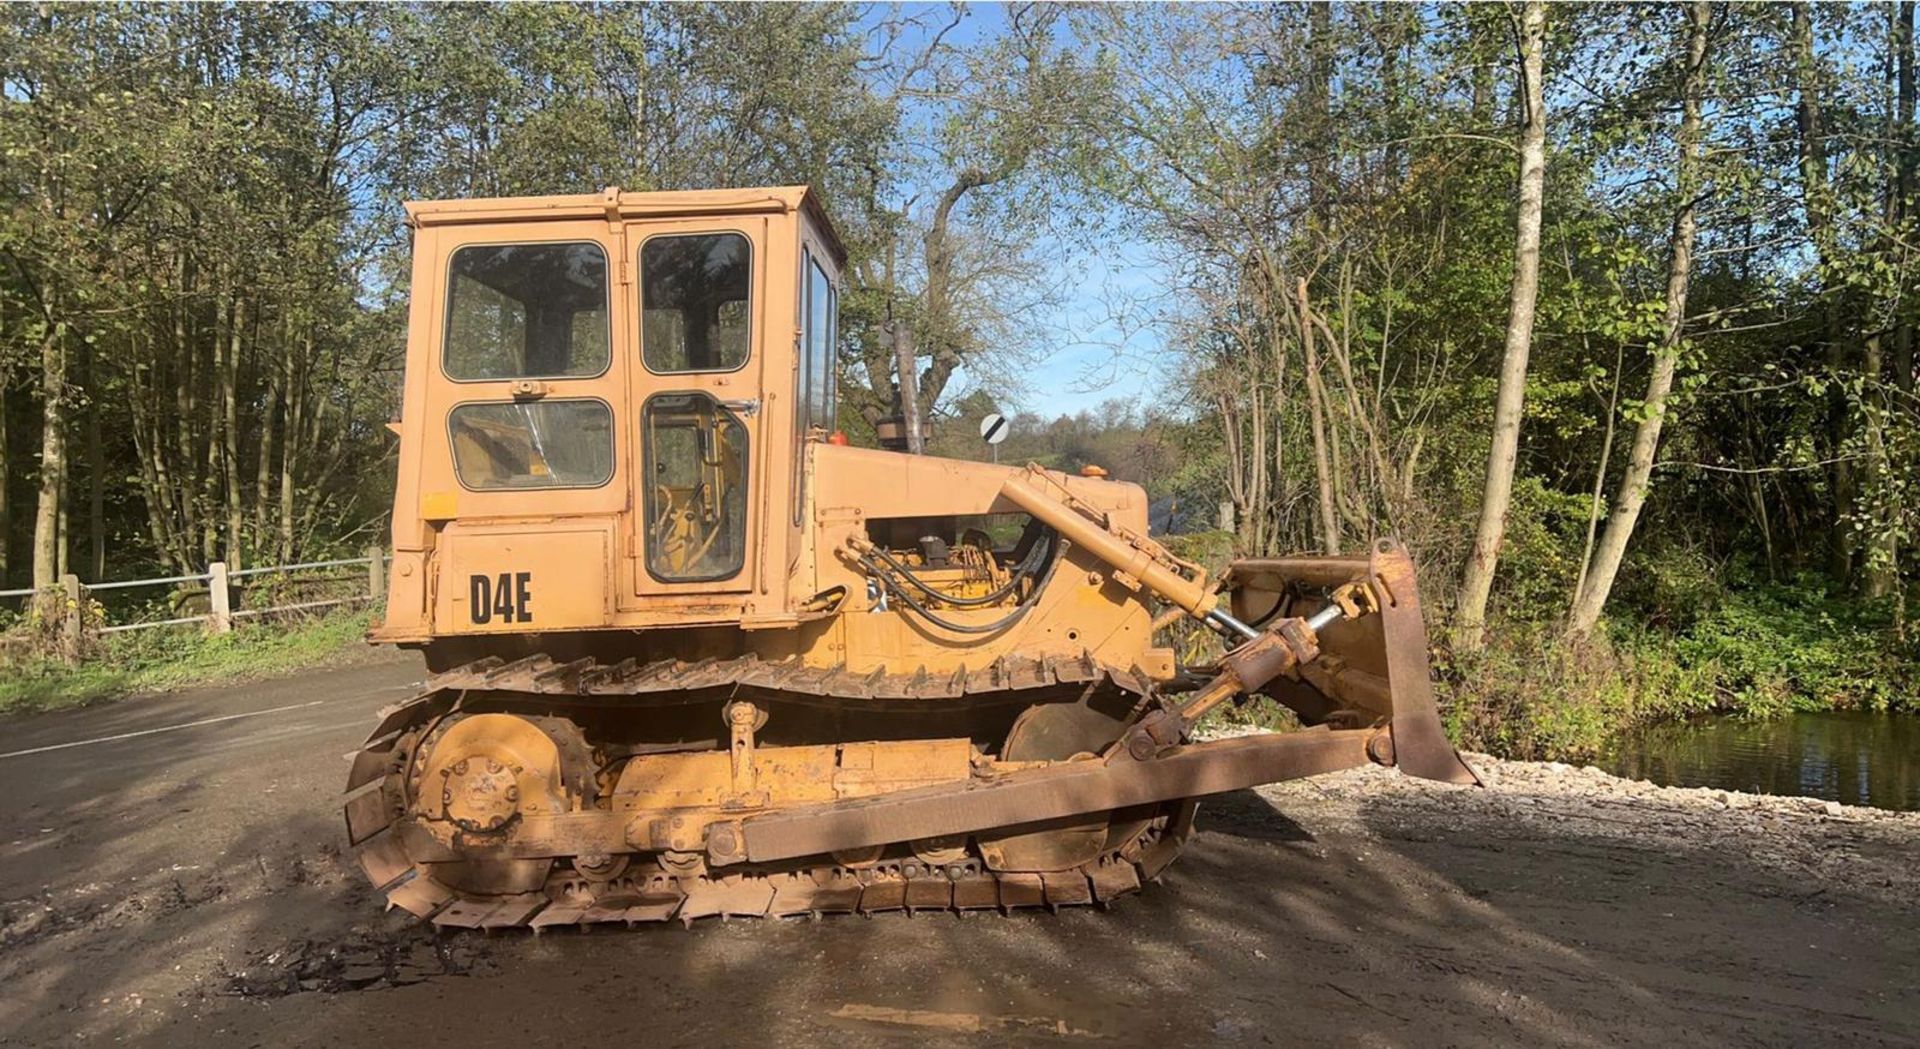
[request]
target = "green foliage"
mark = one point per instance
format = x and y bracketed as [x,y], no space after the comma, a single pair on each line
[203,257]
[1779,648]
[1758,652]
[1540,558]
[203,267]
[1669,585]
[171,658]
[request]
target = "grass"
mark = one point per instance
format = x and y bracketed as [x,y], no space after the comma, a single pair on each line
[1757,652]
[172,658]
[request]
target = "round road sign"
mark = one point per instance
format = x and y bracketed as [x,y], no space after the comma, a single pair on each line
[993,429]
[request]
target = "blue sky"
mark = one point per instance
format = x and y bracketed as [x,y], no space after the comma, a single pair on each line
[1103,351]
[1108,346]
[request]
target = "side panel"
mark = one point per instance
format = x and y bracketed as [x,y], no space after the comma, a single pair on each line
[516,578]
[1084,609]
[408,584]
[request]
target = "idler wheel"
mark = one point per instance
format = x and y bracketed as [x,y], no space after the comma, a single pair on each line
[1057,732]
[938,852]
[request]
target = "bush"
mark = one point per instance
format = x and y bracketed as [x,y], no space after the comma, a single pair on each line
[1670,586]
[1529,695]
[1758,652]
[1776,649]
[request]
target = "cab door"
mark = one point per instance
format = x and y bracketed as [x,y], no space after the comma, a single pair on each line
[521,451]
[699,289]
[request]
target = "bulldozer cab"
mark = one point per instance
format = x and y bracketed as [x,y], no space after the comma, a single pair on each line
[606,403]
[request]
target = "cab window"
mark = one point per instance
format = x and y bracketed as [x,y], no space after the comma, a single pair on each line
[822,301]
[517,311]
[534,444]
[696,488]
[814,400]
[694,302]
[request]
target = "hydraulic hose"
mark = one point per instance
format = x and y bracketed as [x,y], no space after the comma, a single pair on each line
[1025,568]
[1026,605]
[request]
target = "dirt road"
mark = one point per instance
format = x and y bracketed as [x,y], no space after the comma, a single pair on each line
[172,874]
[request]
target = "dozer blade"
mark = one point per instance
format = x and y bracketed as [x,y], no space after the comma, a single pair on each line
[1370,667]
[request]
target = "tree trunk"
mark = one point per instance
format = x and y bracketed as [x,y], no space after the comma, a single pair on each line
[1646,438]
[212,467]
[1278,354]
[1262,521]
[1322,454]
[1484,41]
[1497,496]
[6,484]
[96,471]
[53,456]
[230,435]
[1817,202]
[63,549]
[1236,460]
[149,455]
[263,467]
[293,439]
[1880,566]
[936,315]
[1883,553]
[903,363]
[1319,106]
[1906,159]
[1595,499]
[185,483]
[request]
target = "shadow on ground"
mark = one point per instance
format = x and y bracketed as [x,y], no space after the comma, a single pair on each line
[1374,925]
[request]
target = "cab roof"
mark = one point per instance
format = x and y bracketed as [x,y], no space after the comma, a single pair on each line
[615,204]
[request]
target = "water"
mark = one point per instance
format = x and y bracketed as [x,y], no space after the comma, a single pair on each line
[1849,757]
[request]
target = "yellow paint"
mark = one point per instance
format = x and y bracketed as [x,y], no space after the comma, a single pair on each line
[791,775]
[499,579]
[585,549]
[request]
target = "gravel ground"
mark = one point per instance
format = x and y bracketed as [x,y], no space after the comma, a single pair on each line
[179,880]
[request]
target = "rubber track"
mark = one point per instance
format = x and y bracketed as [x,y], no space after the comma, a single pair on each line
[373,800]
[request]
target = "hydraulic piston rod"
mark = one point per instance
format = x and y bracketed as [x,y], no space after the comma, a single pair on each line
[1130,556]
[1137,558]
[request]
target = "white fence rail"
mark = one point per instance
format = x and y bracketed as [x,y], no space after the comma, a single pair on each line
[221,613]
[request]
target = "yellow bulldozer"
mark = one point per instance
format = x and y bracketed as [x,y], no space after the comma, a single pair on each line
[691,654]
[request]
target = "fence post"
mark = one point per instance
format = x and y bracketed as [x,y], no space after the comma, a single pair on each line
[220,616]
[376,572]
[72,622]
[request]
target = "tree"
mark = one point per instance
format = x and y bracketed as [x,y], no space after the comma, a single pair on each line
[1638,476]
[986,143]
[1471,610]
[203,260]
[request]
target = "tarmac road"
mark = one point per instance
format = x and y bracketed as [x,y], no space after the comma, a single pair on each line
[172,873]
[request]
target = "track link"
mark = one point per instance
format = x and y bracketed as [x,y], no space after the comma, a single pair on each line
[648,892]
[808,891]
